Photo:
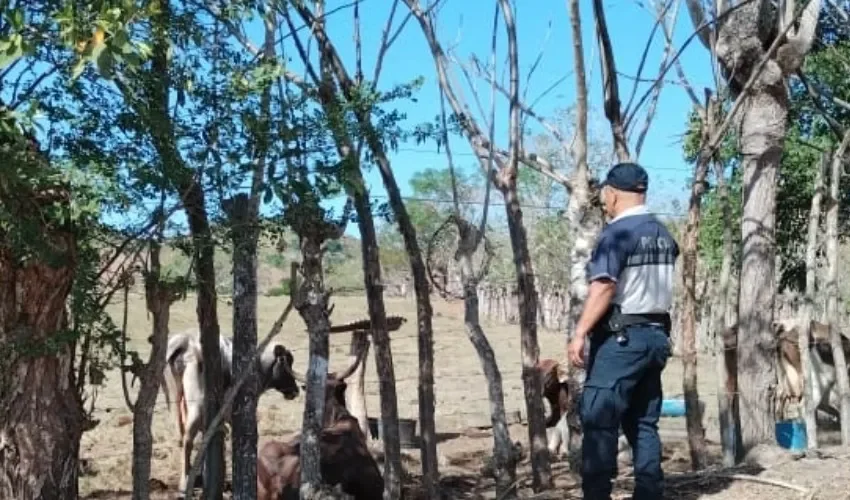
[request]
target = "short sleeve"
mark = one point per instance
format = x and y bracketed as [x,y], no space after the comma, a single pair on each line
[607,259]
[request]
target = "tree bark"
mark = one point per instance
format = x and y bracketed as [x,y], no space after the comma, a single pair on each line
[693,415]
[585,219]
[244,235]
[527,294]
[380,335]
[244,211]
[841,375]
[41,414]
[158,297]
[312,304]
[504,470]
[808,405]
[192,195]
[726,336]
[762,136]
[530,350]
[331,66]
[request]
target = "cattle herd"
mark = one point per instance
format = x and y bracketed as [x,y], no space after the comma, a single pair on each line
[346,460]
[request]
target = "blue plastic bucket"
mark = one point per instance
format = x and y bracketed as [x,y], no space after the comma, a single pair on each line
[791,434]
[673,408]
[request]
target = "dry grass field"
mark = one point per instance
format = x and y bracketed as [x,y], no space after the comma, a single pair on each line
[461,411]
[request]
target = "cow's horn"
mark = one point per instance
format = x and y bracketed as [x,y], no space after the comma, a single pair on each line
[361,353]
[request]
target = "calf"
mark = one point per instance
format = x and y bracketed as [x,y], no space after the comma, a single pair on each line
[555,389]
[345,457]
[557,392]
[791,369]
[183,379]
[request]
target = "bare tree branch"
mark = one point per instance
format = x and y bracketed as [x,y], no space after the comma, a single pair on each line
[609,82]
[683,79]
[838,10]
[803,36]
[816,97]
[659,19]
[477,139]
[650,113]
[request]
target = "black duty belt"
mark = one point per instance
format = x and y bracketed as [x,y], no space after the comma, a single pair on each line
[615,322]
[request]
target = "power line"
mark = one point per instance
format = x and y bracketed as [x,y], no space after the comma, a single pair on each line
[437,152]
[421,199]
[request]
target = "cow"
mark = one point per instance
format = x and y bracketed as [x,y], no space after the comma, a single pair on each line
[183,380]
[791,372]
[345,458]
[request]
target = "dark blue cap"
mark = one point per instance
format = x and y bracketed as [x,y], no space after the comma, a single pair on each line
[627,177]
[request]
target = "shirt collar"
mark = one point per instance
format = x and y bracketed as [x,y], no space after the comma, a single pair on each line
[636,210]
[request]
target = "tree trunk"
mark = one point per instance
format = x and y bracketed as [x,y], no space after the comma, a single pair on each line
[192,195]
[762,136]
[424,313]
[332,66]
[526,292]
[585,220]
[355,394]
[207,312]
[693,415]
[158,298]
[530,350]
[725,336]
[808,405]
[244,235]
[41,414]
[380,337]
[841,375]
[504,463]
[312,304]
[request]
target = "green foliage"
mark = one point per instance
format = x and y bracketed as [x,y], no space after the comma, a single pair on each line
[808,134]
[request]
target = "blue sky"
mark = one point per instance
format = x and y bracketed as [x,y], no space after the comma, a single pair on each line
[544,24]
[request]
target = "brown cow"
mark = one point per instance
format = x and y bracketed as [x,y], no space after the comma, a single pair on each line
[345,457]
[790,365]
[555,390]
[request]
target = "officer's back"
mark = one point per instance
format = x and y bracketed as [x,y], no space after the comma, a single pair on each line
[631,273]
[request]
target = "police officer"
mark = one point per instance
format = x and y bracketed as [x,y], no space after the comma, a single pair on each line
[626,318]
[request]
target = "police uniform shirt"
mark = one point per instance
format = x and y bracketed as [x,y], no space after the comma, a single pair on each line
[638,253]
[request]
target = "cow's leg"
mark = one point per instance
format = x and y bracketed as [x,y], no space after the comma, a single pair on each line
[193,403]
[181,415]
[193,427]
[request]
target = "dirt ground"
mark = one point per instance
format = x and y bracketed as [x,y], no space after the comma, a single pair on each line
[461,413]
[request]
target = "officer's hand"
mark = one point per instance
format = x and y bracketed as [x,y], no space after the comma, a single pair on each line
[575,351]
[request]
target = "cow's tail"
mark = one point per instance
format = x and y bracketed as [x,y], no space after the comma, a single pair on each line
[170,382]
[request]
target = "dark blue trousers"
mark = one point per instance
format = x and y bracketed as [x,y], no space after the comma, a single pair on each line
[623,388]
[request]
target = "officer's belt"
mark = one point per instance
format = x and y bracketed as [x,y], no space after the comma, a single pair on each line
[615,321]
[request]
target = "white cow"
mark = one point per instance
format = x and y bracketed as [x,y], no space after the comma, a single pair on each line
[183,380]
[791,371]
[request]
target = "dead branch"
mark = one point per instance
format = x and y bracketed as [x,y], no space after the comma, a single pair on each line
[683,79]
[659,84]
[478,141]
[610,86]
[659,21]
[764,480]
